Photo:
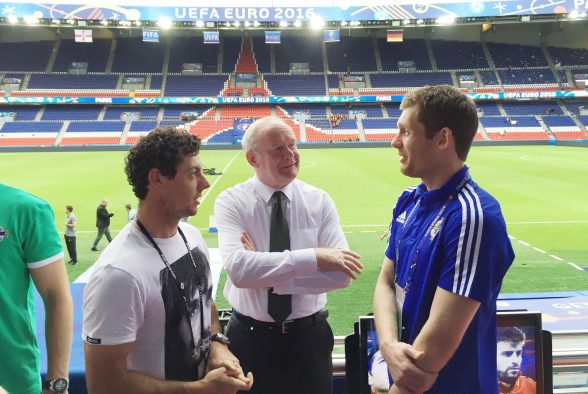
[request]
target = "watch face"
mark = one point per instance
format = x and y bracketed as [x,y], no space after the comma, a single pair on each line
[59,385]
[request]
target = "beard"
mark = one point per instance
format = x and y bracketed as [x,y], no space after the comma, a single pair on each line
[508,378]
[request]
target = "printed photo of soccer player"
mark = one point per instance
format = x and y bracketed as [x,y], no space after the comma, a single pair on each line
[515,360]
[378,379]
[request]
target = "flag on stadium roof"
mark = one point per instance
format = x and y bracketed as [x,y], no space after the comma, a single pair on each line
[83,35]
[395,36]
[331,36]
[211,37]
[272,37]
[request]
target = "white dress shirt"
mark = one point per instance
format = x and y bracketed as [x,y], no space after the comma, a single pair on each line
[313,223]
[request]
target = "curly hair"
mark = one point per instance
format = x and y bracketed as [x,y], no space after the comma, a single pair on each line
[445,106]
[163,148]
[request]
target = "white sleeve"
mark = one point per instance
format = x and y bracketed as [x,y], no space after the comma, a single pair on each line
[248,269]
[330,236]
[113,308]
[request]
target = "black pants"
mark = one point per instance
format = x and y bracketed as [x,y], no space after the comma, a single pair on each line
[102,231]
[299,362]
[70,243]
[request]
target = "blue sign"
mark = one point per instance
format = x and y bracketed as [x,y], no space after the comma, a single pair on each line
[290,10]
[331,36]
[150,35]
[16,100]
[272,37]
[211,37]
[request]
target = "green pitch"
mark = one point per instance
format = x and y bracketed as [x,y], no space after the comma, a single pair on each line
[543,191]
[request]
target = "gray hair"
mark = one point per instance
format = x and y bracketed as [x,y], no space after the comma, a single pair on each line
[260,127]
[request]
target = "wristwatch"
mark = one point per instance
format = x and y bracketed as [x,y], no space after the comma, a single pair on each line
[220,337]
[57,385]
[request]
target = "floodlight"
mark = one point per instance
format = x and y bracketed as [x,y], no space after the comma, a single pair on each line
[317,22]
[199,24]
[283,23]
[30,20]
[445,20]
[297,23]
[164,22]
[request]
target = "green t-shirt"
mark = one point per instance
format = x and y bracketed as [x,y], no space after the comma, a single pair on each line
[28,240]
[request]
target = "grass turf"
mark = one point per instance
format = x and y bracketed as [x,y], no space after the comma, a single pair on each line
[543,191]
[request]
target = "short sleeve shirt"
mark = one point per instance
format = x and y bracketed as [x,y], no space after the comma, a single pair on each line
[28,240]
[454,238]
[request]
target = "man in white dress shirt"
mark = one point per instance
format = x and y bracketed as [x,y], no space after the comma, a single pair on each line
[277,290]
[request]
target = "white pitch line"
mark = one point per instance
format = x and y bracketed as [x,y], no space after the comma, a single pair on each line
[552,222]
[576,267]
[524,243]
[539,250]
[557,258]
[219,177]
[365,231]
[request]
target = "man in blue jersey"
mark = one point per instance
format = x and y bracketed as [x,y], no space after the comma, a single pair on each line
[435,299]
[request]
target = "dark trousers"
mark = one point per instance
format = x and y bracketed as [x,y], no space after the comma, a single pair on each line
[298,362]
[102,231]
[70,243]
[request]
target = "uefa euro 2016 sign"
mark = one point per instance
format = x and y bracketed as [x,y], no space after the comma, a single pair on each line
[289,10]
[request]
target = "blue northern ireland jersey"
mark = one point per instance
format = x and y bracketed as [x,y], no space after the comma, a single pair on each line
[454,238]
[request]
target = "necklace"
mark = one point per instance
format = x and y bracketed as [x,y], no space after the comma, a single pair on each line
[196,350]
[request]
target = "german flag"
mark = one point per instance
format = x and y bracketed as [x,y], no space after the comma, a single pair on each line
[395,36]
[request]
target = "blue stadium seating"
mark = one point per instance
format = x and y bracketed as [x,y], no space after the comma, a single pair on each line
[298,50]
[71,112]
[509,55]
[296,85]
[94,53]
[65,81]
[192,50]
[135,56]
[569,56]
[411,79]
[488,78]
[31,127]
[114,113]
[23,112]
[393,52]
[262,54]
[532,108]
[488,108]
[529,76]
[459,55]
[198,85]
[95,126]
[25,56]
[351,54]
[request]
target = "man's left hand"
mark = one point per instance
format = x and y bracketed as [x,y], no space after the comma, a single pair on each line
[221,356]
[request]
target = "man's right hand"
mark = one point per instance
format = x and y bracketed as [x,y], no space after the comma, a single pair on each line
[346,261]
[401,358]
[219,381]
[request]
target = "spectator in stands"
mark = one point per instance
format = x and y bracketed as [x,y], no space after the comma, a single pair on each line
[131,213]
[30,249]
[510,341]
[102,223]
[70,235]
[447,254]
[277,282]
[150,323]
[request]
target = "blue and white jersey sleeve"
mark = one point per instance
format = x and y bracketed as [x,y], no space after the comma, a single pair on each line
[477,251]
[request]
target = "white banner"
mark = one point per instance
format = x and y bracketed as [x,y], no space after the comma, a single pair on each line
[83,35]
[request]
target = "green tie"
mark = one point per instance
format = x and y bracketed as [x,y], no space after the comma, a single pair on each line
[279,306]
